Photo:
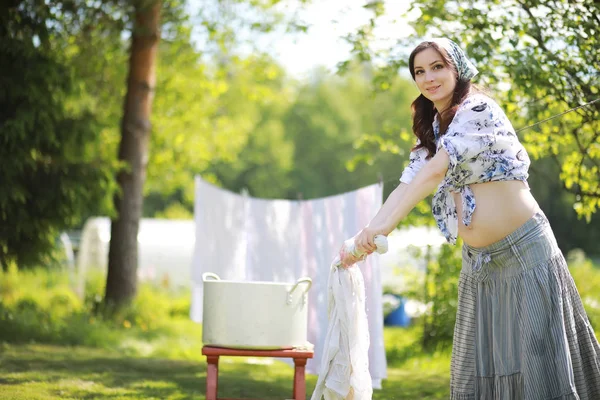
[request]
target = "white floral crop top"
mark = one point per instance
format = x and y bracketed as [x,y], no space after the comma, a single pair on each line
[483,147]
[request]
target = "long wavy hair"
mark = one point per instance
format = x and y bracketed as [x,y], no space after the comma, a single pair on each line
[423,110]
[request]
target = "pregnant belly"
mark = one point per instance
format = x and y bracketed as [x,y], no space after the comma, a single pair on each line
[501,207]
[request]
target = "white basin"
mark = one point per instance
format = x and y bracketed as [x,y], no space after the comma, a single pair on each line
[254,315]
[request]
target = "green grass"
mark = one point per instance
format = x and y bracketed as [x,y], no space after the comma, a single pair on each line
[35,371]
[53,346]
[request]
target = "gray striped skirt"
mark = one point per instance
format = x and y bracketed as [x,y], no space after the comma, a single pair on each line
[521,331]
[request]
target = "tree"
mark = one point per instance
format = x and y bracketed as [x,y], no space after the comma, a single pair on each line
[135,131]
[121,281]
[545,51]
[258,96]
[50,176]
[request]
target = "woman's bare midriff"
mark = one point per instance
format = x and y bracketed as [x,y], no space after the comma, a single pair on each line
[501,207]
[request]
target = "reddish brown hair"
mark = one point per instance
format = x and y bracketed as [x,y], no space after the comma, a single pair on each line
[423,110]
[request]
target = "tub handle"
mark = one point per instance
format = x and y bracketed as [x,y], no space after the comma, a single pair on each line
[207,275]
[308,282]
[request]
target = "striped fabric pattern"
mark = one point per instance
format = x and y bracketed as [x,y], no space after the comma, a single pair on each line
[521,331]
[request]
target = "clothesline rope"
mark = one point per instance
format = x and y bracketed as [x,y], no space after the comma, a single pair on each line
[558,115]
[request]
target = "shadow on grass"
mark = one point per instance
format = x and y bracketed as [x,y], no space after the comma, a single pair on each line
[91,374]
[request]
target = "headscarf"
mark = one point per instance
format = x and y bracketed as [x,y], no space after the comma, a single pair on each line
[464,67]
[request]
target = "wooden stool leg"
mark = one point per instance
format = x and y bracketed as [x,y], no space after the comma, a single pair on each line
[299,379]
[212,377]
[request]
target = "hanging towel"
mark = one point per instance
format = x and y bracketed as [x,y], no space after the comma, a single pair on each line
[345,360]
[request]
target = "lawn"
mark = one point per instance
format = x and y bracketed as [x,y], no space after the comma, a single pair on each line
[54,346]
[35,371]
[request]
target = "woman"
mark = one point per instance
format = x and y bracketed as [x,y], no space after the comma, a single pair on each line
[521,331]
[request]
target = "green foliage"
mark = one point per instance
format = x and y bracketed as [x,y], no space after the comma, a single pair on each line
[216,113]
[437,288]
[571,232]
[441,290]
[226,128]
[40,306]
[51,176]
[260,95]
[335,123]
[586,275]
[248,126]
[61,115]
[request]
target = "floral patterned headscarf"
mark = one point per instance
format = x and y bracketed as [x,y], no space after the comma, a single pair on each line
[465,68]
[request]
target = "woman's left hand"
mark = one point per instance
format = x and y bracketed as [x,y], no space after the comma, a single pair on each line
[347,259]
[365,240]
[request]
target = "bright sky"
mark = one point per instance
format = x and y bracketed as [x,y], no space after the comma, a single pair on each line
[329,21]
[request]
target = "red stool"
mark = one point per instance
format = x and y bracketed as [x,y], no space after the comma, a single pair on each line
[213,353]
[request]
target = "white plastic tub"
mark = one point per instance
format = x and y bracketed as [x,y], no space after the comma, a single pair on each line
[254,315]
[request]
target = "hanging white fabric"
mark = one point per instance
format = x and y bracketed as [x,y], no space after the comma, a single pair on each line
[345,359]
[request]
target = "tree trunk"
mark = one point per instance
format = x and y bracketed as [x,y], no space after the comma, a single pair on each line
[121,281]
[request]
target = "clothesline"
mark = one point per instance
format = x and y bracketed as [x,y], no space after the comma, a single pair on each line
[558,115]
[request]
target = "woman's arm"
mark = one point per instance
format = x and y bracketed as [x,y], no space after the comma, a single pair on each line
[424,183]
[388,206]
[401,201]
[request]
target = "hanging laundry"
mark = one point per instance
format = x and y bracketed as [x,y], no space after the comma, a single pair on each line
[244,238]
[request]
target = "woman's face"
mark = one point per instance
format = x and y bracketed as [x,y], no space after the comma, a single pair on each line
[435,80]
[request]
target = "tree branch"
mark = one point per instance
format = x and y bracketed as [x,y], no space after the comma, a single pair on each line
[571,190]
[538,36]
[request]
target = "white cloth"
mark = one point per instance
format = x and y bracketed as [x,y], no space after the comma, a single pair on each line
[345,363]
[345,359]
[244,238]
